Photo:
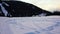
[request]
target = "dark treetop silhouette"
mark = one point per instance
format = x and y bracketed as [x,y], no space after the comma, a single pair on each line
[21,9]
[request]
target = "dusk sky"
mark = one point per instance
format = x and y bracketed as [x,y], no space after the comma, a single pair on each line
[49,5]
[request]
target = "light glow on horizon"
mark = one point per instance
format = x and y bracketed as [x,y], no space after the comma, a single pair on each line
[49,5]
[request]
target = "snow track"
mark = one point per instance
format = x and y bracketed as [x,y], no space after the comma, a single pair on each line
[30,25]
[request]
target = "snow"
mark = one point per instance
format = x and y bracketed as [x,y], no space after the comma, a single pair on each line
[30,25]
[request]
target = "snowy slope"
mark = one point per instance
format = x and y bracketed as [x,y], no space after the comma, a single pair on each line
[30,25]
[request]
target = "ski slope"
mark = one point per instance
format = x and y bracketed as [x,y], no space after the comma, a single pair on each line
[30,25]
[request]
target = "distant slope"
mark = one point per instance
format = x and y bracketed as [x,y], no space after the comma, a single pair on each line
[22,9]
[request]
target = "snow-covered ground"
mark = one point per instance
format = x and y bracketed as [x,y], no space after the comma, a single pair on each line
[30,25]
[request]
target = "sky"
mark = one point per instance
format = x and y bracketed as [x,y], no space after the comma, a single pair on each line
[50,5]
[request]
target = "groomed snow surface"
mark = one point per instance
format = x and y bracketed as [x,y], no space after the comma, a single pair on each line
[30,25]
